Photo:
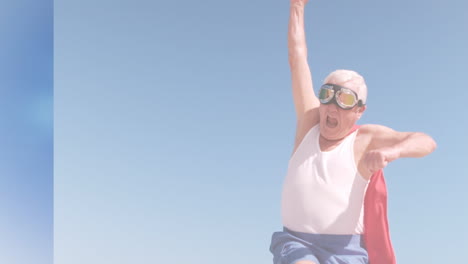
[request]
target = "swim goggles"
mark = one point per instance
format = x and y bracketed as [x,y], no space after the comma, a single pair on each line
[345,98]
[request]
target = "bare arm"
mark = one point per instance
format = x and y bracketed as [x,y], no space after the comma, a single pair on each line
[305,101]
[387,145]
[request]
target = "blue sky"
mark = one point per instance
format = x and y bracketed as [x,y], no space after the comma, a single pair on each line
[26,134]
[174,123]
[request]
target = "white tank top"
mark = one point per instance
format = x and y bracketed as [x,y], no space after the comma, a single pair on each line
[323,192]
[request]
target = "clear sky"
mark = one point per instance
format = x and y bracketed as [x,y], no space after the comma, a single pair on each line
[26,132]
[174,123]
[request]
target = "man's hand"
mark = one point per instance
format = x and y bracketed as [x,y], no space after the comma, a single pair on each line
[378,159]
[303,2]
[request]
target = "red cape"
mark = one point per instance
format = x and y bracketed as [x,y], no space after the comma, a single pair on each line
[376,231]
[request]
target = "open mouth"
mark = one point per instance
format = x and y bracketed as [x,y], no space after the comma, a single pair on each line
[332,122]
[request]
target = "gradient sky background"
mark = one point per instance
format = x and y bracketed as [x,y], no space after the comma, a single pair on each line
[174,123]
[26,133]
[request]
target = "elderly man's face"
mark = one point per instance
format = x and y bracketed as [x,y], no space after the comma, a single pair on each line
[335,123]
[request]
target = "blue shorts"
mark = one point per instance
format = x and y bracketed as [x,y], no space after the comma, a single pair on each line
[289,247]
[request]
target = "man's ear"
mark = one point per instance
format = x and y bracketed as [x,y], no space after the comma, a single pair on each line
[360,111]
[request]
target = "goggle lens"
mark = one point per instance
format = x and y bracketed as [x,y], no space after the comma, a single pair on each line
[326,95]
[346,99]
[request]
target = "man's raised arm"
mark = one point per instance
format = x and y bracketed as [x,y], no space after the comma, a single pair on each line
[305,101]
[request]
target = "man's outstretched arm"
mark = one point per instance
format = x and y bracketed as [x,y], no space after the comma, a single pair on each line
[305,102]
[387,145]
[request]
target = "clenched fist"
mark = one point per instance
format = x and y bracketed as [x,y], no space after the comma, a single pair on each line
[303,2]
[377,159]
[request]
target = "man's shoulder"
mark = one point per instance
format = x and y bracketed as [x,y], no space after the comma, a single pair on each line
[369,129]
[367,132]
[371,135]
